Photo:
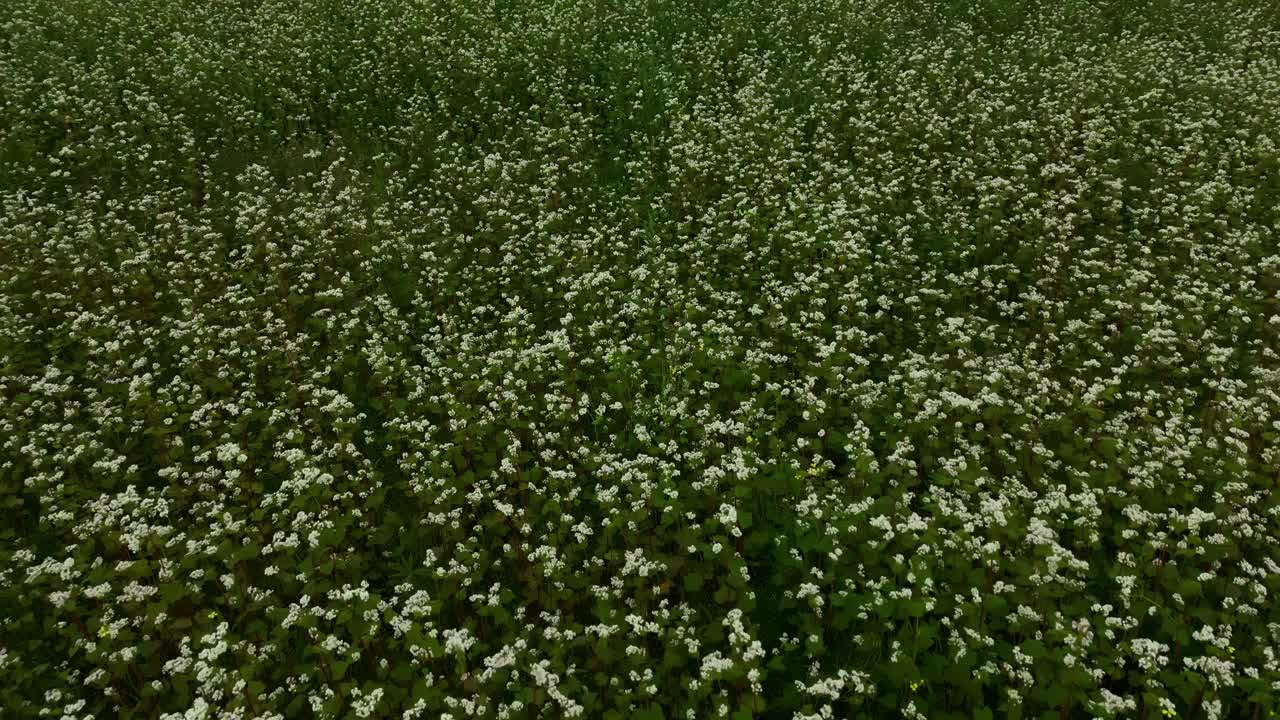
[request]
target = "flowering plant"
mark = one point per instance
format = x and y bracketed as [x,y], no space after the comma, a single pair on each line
[813,359]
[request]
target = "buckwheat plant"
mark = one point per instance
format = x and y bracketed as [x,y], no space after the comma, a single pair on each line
[801,359]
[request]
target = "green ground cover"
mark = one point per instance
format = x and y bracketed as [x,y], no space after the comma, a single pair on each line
[758,359]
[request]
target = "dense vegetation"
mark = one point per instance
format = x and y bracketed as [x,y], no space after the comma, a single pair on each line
[659,359]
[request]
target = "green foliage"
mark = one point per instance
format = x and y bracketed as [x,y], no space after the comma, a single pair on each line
[655,360]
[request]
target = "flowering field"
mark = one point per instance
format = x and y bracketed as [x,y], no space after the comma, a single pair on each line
[656,360]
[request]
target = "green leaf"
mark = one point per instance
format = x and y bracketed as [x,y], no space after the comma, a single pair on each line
[650,712]
[1055,695]
[1189,589]
[996,605]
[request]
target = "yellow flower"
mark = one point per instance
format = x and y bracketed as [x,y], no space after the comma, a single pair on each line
[102,631]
